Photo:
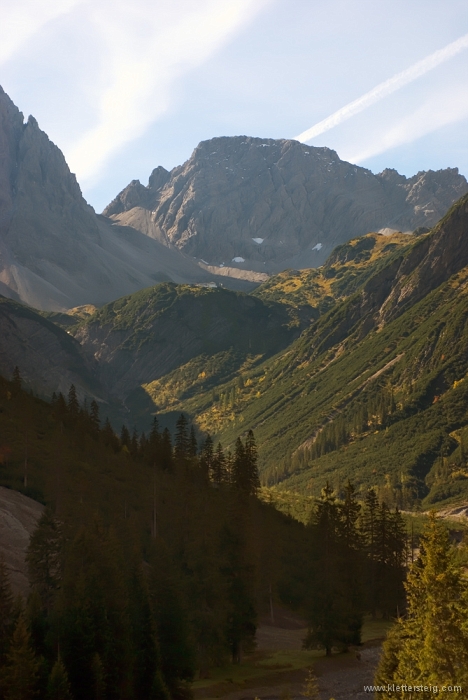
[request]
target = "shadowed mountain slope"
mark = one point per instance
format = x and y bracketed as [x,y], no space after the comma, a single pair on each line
[212,333]
[48,357]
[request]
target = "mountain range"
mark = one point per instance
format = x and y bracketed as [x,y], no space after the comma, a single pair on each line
[268,205]
[238,210]
[354,369]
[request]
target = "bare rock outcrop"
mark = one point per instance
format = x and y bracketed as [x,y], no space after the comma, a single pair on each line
[264,204]
[18,520]
[55,252]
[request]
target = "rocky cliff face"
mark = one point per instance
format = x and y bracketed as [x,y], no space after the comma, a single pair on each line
[55,253]
[18,520]
[266,204]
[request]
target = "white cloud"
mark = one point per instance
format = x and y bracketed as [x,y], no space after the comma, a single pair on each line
[439,110]
[386,88]
[146,48]
[21,19]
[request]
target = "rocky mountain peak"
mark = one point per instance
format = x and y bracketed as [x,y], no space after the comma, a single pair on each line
[268,204]
[55,253]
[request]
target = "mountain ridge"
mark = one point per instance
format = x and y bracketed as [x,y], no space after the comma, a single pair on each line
[55,252]
[265,204]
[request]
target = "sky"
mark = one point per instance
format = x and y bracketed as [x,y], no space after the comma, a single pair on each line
[124,87]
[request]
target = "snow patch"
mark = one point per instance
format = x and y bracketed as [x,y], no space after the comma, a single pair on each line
[317,247]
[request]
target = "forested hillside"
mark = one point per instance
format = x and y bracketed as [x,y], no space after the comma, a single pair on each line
[373,389]
[355,370]
[155,559]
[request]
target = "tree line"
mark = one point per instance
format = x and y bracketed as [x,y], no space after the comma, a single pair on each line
[155,559]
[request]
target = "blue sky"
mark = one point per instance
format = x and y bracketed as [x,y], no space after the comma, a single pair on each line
[123,87]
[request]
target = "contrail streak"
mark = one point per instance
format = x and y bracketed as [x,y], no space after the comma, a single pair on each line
[386,88]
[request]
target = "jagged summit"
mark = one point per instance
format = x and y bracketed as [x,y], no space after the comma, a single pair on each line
[267,204]
[261,205]
[55,253]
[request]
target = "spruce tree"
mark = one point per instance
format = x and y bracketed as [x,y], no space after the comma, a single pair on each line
[193,444]
[241,621]
[206,458]
[58,686]
[245,470]
[369,521]
[19,676]
[94,418]
[219,466]
[327,607]
[430,645]
[251,463]
[181,440]
[167,459]
[125,437]
[73,404]
[45,558]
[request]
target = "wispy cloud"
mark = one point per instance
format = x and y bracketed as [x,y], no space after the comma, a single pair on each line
[21,19]
[439,110]
[386,88]
[146,48]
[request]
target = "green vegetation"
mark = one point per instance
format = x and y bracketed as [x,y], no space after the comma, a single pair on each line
[348,268]
[154,557]
[385,407]
[429,647]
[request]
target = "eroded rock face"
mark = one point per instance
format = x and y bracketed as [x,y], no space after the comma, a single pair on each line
[278,203]
[55,253]
[18,520]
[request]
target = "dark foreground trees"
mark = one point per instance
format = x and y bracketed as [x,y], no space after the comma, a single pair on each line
[355,564]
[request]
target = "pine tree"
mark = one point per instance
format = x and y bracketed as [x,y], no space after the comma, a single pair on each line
[125,437]
[193,445]
[251,463]
[73,405]
[44,558]
[133,447]
[94,418]
[181,440]
[58,686]
[109,438]
[177,654]
[430,645]
[153,447]
[238,471]
[167,459]
[219,466]
[352,564]
[328,610]
[242,616]
[19,677]
[369,533]
[206,458]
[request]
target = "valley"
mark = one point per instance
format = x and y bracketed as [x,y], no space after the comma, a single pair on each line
[235,394]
